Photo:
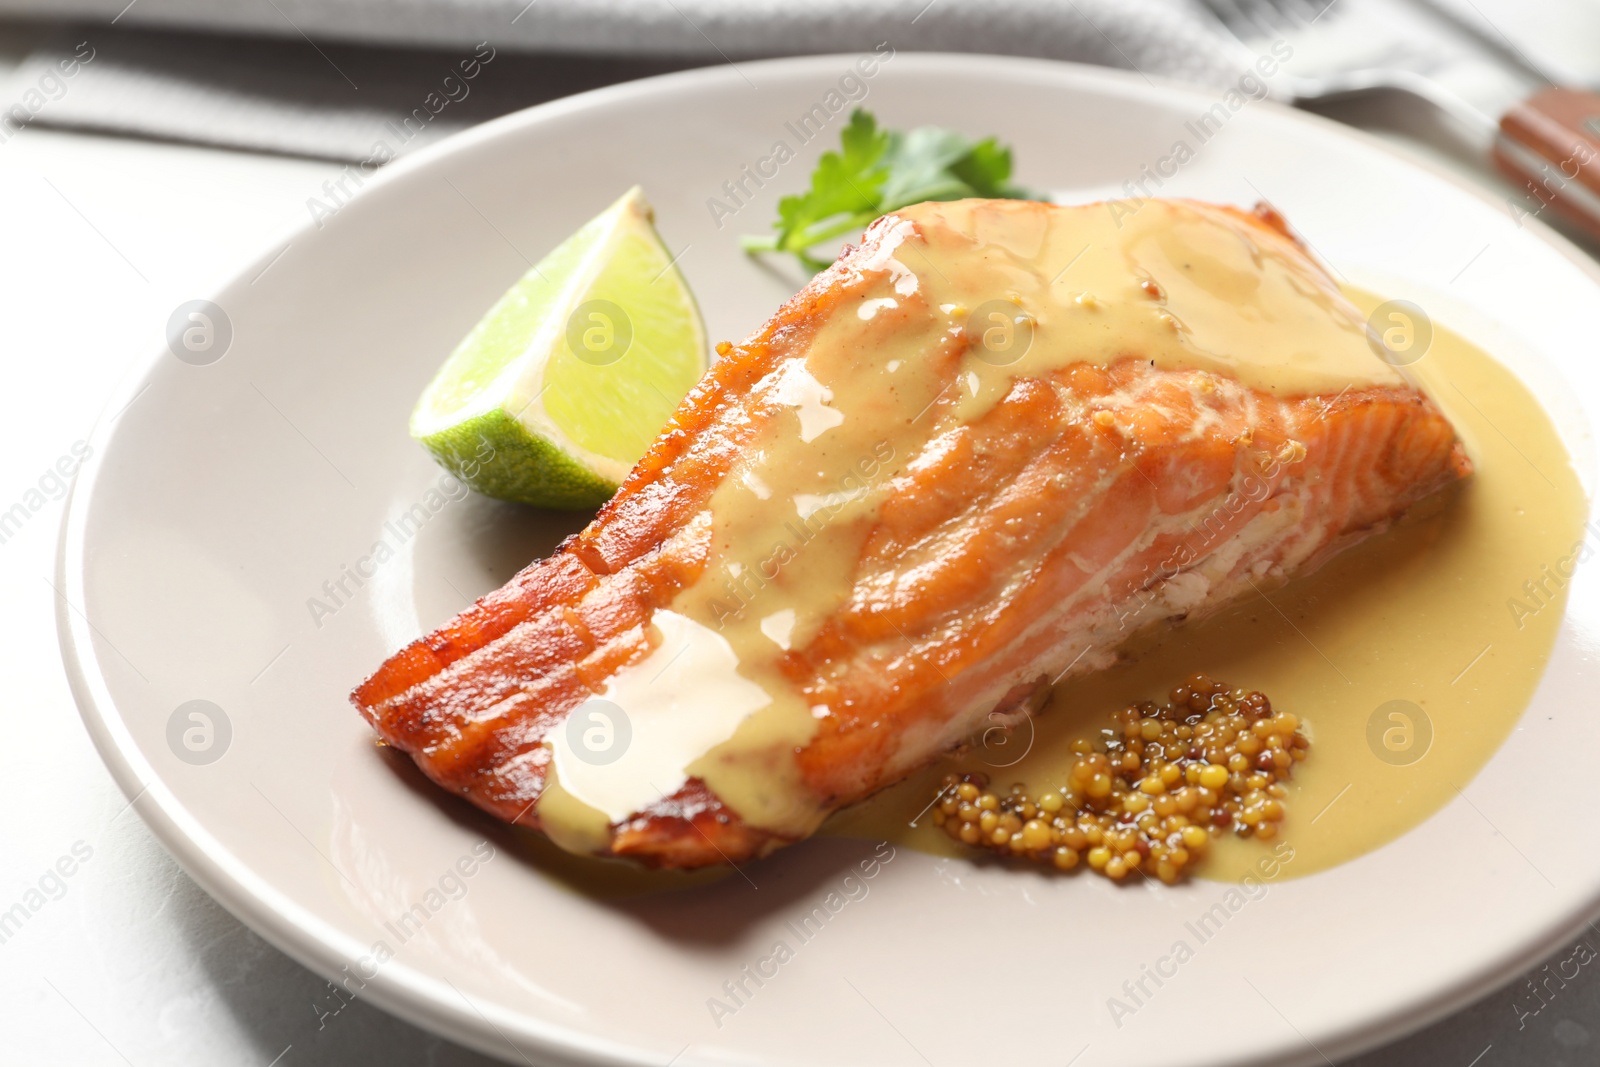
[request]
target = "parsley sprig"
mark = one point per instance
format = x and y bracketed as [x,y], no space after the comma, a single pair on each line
[878,170]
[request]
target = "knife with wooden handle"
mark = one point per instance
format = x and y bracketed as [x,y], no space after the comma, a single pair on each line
[1550,143]
[1546,137]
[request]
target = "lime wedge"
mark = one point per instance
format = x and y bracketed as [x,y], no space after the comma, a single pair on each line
[558,391]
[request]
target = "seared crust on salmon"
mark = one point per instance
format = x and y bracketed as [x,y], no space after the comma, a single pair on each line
[1083,504]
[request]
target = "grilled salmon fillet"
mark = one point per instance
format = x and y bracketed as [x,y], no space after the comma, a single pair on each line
[976,454]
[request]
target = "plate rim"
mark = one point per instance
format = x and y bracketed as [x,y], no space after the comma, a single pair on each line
[412,994]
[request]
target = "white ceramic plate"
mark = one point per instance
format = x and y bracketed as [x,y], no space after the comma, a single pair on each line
[225,496]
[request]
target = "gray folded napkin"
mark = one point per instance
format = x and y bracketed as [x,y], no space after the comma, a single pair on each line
[326,78]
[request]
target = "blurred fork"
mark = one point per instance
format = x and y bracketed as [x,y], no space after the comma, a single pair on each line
[1543,135]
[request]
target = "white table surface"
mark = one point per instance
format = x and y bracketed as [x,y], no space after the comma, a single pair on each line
[133,963]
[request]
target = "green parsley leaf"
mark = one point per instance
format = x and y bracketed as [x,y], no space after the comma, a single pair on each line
[876,171]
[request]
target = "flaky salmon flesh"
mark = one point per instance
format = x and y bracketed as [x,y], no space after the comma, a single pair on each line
[975,455]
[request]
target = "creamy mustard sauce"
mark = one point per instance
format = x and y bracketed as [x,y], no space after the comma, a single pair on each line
[1434,612]
[683,699]
[958,301]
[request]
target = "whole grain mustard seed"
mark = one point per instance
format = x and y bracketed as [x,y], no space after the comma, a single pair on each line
[1150,792]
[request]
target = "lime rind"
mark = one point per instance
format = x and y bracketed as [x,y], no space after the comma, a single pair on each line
[517,414]
[498,457]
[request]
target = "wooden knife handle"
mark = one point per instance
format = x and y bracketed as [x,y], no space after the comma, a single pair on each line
[1550,144]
